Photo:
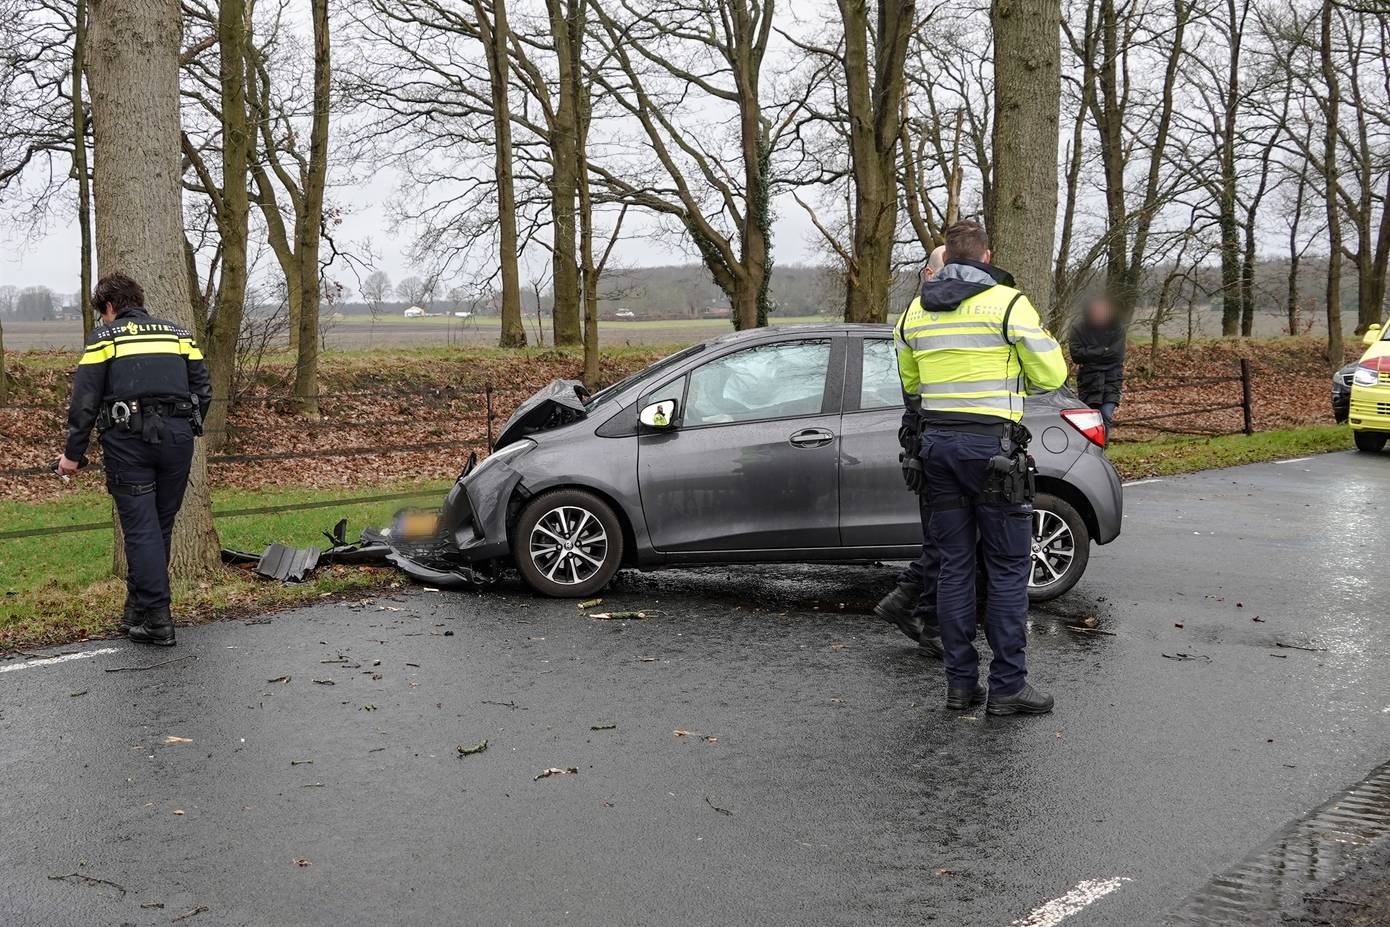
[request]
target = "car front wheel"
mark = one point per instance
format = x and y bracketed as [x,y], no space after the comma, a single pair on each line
[1061,548]
[567,544]
[1372,442]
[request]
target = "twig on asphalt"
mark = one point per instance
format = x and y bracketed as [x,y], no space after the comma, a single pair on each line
[723,811]
[1297,647]
[190,913]
[1081,630]
[81,879]
[137,669]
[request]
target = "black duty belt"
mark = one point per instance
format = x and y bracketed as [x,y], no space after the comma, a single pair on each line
[971,428]
[142,415]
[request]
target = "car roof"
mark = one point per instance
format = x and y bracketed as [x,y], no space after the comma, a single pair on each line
[814,328]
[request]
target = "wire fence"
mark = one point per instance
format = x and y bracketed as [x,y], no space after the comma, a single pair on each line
[1171,422]
[232,431]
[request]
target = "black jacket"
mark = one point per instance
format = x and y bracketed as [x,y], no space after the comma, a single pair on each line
[1100,357]
[134,357]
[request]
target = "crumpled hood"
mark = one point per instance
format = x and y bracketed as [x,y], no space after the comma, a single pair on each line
[558,403]
[958,281]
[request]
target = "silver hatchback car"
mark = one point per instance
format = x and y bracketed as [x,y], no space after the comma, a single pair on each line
[778,444]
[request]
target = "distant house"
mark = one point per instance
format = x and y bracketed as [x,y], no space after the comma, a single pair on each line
[415,312]
[717,312]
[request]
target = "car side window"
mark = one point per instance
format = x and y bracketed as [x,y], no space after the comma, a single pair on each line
[879,386]
[673,390]
[767,381]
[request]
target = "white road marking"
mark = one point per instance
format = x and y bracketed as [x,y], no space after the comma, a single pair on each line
[1154,479]
[1293,460]
[1074,901]
[49,661]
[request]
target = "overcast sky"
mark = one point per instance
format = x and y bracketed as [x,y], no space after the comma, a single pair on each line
[50,258]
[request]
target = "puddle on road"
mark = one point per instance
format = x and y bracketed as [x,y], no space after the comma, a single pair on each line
[1300,861]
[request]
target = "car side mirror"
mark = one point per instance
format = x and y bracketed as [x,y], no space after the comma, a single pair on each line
[1372,334]
[660,415]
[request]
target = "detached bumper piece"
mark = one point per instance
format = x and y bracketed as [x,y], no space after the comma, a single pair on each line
[288,564]
[433,562]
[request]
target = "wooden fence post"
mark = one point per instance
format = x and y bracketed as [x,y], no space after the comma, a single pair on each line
[487,390]
[1245,393]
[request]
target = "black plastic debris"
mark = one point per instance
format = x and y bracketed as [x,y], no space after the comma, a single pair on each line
[288,564]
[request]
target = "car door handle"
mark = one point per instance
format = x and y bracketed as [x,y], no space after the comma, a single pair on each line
[811,437]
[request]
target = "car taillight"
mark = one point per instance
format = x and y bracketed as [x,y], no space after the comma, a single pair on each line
[1379,364]
[1089,423]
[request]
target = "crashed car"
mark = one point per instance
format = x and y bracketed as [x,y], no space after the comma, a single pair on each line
[771,445]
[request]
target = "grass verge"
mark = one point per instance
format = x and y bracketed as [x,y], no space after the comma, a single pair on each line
[58,588]
[1175,455]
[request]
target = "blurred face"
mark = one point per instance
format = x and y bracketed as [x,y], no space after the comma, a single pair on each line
[1100,311]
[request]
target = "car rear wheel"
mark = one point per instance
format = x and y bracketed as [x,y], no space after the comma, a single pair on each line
[567,544]
[1061,548]
[1372,442]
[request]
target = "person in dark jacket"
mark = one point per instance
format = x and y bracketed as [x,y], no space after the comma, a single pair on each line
[1097,343]
[142,382]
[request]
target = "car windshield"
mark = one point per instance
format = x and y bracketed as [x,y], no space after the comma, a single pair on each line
[647,373]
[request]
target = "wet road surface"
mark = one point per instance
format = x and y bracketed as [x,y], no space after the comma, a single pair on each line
[819,779]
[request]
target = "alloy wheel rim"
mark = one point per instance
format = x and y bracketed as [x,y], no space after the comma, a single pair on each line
[568,545]
[1053,549]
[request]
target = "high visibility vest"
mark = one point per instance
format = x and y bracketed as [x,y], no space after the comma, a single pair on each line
[977,358]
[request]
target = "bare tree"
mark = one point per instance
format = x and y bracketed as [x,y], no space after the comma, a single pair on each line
[658,57]
[134,79]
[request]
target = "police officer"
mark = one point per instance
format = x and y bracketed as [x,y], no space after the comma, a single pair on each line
[141,381]
[967,347]
[911,605]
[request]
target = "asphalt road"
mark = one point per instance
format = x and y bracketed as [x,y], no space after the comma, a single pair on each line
[819,782]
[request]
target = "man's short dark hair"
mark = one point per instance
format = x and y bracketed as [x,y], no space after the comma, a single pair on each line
[118,290]
[966,240]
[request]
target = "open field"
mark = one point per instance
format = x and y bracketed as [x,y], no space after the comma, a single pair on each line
[359,333]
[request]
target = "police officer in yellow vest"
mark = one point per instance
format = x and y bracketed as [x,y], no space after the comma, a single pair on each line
[968,347]
[142,382]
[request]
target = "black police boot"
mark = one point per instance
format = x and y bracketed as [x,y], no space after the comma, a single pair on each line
[961,699]
[897,607]
[158,628]
[929,645]
[1026,701]
[131,617]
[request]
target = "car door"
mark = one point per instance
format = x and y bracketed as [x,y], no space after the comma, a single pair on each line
[752,462]
[876,509]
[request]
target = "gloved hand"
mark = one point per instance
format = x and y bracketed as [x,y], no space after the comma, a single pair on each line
[913,474]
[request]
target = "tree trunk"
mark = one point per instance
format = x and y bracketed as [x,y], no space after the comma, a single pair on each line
[309,229]
[1027,105]
[4,379]
[79,165]
[1335,348]
[494,35]
[874,61]
[133,72]
[567,32]
[233,206]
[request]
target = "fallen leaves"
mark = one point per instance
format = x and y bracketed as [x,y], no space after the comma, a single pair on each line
[479,747]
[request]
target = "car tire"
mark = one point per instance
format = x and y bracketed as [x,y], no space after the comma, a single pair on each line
[567,544]
[1372,442]
[1056,567]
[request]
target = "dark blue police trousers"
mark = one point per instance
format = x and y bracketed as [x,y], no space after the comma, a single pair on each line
[956,464]
[147,482]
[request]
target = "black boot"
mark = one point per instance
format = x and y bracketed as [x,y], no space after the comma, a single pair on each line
[1026,701]
[929,644]
[961,699]
[131,616]
[897,609]
[158,628]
